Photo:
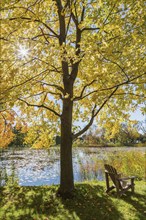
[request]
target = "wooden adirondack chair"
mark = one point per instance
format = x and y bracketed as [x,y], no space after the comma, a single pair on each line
[121,184]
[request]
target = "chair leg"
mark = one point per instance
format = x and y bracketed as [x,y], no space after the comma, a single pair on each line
[110,188]
[132,185]
[117,189]
[107,181]
[132,189]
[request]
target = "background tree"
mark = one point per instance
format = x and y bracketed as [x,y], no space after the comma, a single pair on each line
[126,134]
[142,128]
[20,132]
[6,125]
[12,129]
[64,54]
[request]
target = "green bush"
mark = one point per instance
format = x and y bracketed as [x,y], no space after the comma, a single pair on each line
[130,163]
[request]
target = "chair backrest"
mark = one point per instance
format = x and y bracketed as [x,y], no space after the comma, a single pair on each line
[112,172]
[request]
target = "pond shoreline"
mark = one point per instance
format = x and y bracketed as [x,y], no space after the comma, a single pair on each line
[110,146]
[78,146]
[42,166]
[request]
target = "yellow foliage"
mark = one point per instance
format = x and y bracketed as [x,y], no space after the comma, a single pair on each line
[40,136]
[6,123]
[90,54]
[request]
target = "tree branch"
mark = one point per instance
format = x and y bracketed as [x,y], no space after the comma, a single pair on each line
[40,106]
[87,126]
[67,28]
[129,81]
[121,68]
[20,84]
[130,93]
[109,13]
[53,85]
[35,20]
[94,114]
[90,29]
[81,95]
[83,14]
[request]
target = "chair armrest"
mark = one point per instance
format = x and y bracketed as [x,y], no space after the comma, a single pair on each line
[127,178]
[120,174]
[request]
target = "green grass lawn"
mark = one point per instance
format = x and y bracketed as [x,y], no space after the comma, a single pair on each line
[89,203]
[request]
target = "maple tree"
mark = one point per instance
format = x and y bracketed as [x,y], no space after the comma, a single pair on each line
[72,59]
[6,123]
[9,121]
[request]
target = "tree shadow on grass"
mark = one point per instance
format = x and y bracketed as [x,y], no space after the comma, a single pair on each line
[138,201]
[28,203]
[91,203]
[41,203]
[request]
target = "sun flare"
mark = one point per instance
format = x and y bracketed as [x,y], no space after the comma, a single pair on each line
[23,52]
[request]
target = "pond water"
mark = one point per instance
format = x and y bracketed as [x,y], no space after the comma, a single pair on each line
[42,167]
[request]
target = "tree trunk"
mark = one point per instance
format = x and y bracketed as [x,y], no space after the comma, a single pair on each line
[66,176]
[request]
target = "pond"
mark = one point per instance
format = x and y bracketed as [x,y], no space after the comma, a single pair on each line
[42,167]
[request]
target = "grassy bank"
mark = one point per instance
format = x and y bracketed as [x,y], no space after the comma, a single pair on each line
[109,145]
[89,203]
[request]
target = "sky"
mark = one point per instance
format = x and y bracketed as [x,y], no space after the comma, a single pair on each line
[137,115]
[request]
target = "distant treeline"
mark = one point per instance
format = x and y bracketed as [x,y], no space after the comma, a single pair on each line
[125,135]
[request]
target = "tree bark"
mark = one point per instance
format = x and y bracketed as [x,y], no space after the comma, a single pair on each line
[66,166]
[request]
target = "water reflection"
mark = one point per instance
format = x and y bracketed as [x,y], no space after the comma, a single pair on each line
[42,167]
